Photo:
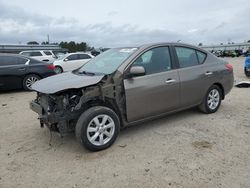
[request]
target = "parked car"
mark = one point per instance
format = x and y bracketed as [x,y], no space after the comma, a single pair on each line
[17,71]
[71,61]
[41,55]
[247,66]
[124,86]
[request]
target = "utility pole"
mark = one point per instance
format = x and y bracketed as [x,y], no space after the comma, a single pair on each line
[48,38]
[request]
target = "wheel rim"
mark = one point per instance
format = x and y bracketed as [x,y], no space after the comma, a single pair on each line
[30,81]
[58,70]
[213,99]
[100,130]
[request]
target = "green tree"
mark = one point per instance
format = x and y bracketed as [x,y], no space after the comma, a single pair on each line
[73,46]
[32,43]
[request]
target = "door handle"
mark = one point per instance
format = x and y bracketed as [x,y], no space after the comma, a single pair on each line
[208,73]
[170,81]
[22,69]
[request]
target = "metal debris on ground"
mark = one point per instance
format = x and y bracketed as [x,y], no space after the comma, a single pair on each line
[243,84]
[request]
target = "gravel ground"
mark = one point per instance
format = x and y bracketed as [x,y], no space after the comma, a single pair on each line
[187,149]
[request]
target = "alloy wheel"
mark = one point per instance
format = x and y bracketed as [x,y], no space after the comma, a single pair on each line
[30,81]
[213,99]
[100,130]
[58,70]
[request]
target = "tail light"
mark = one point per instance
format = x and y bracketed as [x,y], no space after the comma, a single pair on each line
[229,67]
[51,67]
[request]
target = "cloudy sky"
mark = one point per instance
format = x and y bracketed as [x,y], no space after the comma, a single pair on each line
[113,23]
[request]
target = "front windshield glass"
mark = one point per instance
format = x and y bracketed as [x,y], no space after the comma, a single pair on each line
[60,57]
[107,62]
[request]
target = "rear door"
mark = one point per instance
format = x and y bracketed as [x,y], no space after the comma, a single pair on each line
[193,76]
[12,70]
[83,58]
[156,92]
[71,63]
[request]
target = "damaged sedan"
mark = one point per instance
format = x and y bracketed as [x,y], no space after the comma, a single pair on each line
[124,86]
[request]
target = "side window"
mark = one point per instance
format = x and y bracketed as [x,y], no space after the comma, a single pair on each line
[32,54]
[4,61]
[47,52]
[84,56]
[72,57]
[11,60]
[25,54]
[21,60]
[155,60]
[187,57]
[201,56]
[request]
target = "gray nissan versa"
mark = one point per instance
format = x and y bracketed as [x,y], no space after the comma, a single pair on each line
[124,86]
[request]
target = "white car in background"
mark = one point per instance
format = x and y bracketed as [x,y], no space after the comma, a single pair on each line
[41,55]
[71,61]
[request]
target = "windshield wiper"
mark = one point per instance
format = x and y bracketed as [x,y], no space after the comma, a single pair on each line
[87,73]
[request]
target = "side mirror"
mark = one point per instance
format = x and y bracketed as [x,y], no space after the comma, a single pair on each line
[136,71]
[65,59]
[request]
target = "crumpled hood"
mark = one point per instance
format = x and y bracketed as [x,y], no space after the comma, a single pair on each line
[65,81]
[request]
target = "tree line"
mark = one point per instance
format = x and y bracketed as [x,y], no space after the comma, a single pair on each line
[71,46]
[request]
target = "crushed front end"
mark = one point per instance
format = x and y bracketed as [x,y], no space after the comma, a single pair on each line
[58,112]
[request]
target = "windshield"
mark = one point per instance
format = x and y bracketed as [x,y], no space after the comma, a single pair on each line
[107,62]
[60,56]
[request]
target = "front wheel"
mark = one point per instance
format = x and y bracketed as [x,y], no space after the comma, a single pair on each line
[212,100]
[97,128]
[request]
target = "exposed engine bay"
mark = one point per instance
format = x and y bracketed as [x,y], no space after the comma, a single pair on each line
[60,111]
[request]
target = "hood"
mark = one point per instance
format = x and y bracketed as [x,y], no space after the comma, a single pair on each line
[65,81]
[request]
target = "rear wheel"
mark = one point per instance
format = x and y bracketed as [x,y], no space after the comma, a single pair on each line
[58,70]
[97,128]
[212,100]
[29,80]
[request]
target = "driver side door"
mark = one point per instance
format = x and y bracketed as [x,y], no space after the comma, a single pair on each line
[156,92]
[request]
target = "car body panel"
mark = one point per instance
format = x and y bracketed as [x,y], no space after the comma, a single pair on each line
[141,91]
[65,81]
[10,76]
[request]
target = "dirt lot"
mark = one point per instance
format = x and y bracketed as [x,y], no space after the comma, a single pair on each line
[187,149]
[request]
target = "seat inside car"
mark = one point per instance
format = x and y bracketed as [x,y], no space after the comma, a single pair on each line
[160,62]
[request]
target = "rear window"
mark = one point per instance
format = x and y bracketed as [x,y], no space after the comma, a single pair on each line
[35,54]
[187,57]
[201,56]
[72,57]
[47,52]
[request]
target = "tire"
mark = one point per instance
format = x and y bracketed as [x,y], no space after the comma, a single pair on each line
[247,73]
[90,126]
[58,70]
[212,100]
[29,80]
